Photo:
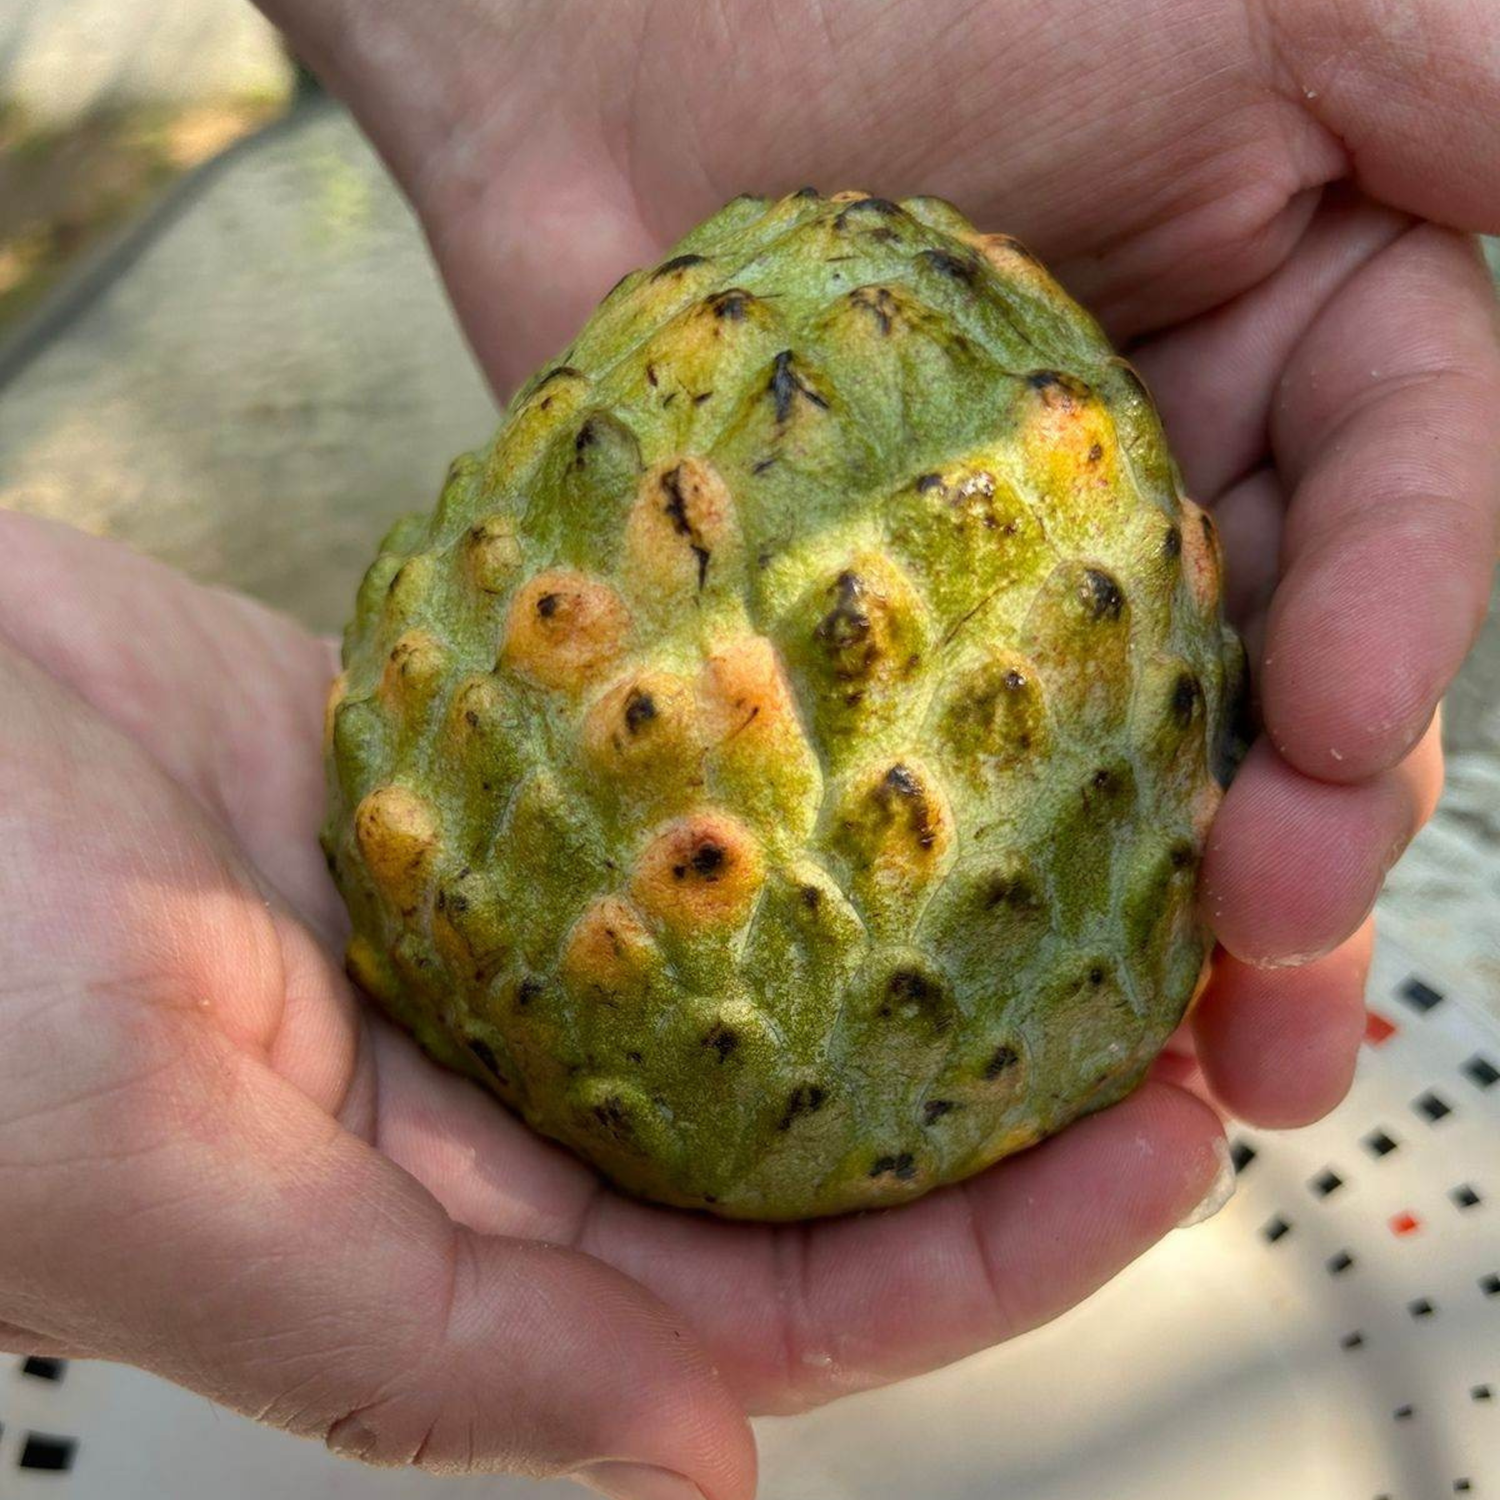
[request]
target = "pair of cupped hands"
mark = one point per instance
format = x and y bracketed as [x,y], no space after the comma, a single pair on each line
[216,1164]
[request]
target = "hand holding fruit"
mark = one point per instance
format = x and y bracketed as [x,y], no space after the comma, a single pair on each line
[219,1167]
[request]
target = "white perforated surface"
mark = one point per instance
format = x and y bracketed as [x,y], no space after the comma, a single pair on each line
[1333,1335]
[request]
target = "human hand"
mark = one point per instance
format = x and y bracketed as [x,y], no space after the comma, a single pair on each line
[275,1200]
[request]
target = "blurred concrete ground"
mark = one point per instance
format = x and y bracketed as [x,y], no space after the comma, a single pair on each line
[65,61]
[264,372]
[103,103]
[254,383]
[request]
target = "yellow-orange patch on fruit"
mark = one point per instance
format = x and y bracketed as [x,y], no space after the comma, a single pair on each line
[1014,263]
[565,629]
[609,952]
[746,697]
[645,724]
[1201,565]
[398,836]
[680,529]
[700,873]
[1068,438]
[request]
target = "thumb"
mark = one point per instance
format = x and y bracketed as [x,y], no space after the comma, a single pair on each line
[224,1232]
[169,1200]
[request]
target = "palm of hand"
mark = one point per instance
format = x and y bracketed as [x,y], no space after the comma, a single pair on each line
[311,1168]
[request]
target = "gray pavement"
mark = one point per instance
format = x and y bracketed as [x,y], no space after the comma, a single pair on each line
[250,387]
[64,60]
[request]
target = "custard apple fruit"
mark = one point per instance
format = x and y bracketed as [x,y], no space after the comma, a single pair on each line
[779,765]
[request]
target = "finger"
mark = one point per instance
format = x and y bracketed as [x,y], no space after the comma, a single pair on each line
[1369,76]
[799,1314]
[486,1167]
[1386,426]
[1215,378]
[1278,1046]
[225,696]
[1293,865]
[1249,516]
[270,1261]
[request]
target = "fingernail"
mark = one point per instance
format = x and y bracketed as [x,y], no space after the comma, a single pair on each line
[637,1482]
[1220,1190]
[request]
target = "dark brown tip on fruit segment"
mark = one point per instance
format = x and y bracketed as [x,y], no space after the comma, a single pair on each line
[902,1166]
[640,709]
[558,372]
[1238,727]
[677,263]
[676,509]
[927,482]
[1101,595]
[812,897]
[1011,243]
[611,1117]
[846,630]
[1185,696]
[1171,543]
[486,1055]
[908,988]
[807,192]
[546,606]
[878,302]
[934,1110]
[530,989]
[786,385]
[1096,453]
[805,1099]
[722,1039]
[879,207]
[707,862]
[1011,891]
[954,267]
[1001,1060]
[730,305]
[903,783]
[882,206]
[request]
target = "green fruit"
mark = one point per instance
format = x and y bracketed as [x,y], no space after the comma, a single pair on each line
[779,766]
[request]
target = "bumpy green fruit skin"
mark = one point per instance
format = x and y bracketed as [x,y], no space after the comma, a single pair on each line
[778,767]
